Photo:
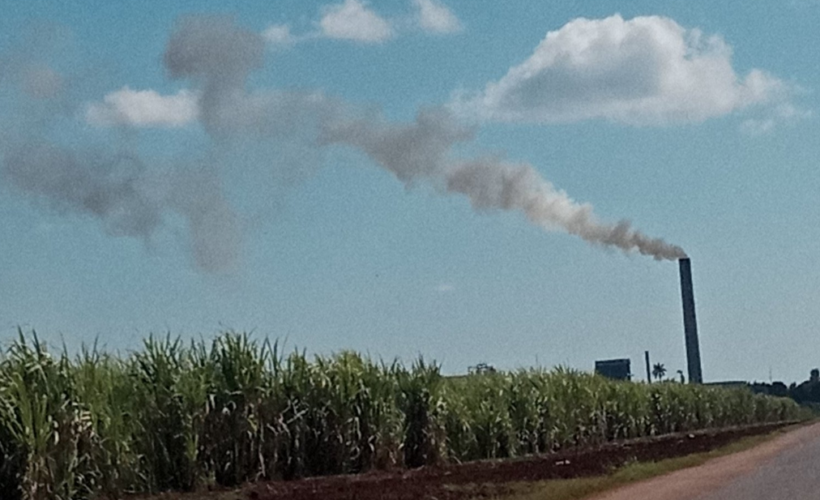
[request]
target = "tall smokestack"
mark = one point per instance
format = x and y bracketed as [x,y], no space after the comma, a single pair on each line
[648,369]
[690,324]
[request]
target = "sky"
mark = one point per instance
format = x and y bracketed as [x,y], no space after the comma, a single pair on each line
[467,181]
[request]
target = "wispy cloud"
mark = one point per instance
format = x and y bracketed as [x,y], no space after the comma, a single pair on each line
[354,20]
[357,21]
[143,108]
[279,34]
[642,71]
[445,288]
[785,113]
[435,17]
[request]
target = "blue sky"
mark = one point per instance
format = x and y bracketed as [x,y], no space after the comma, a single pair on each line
[412,177]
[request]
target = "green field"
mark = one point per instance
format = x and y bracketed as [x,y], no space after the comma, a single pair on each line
[183,416]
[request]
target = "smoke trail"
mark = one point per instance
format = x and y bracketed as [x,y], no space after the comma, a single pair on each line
[128,199]
[219,56]
[131,199]
[422,150]
[111,189]
[417,150]
[491,183]
[215,228]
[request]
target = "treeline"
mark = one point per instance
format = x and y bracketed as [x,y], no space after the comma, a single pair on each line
[183,416]
[805,393]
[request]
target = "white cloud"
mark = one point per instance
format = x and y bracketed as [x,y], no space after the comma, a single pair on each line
[643,71]
[445,288]
[783,113]
[758,126]
[143,108]
[278,34]
[435,17]
[353,20]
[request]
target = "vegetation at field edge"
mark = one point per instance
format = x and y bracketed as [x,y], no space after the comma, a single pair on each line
[178,416]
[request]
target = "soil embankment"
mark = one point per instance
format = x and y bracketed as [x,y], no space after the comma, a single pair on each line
[488,478]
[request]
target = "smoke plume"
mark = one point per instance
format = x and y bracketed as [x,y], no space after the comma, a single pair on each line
[128,199]
[218,56]
[421,150]
[132,198]
[114,185]
[492,183]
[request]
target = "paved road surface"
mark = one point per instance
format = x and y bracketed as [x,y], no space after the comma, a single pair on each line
[785,468]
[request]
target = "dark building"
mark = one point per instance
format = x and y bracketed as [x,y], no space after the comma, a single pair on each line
[616,369]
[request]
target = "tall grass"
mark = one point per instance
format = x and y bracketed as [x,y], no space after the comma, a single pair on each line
[183,416]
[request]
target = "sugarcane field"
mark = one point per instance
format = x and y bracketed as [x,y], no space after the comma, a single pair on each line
[179,416]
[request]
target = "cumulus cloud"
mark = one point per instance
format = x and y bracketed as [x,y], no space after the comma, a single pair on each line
[353,20]
[642,71]
[435,17]
[143,108]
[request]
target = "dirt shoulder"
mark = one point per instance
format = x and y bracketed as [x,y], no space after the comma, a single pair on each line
[498,478]
[691,483]
[491,478]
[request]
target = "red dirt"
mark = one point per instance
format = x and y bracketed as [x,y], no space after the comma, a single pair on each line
[492,477]
[709,478]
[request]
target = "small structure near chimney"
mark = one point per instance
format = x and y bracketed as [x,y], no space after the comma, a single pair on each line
[616,369]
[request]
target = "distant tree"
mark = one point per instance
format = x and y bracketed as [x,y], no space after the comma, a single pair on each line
[808,391]
[779,389]
[658,371]
[682,378]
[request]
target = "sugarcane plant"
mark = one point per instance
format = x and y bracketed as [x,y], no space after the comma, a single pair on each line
[177,416]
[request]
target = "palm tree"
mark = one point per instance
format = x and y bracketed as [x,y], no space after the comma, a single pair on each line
[682,378]
[658,371]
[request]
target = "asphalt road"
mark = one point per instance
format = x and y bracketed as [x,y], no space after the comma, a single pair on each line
[785,468]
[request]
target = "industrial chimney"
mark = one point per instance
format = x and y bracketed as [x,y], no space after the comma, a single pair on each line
[690,324]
